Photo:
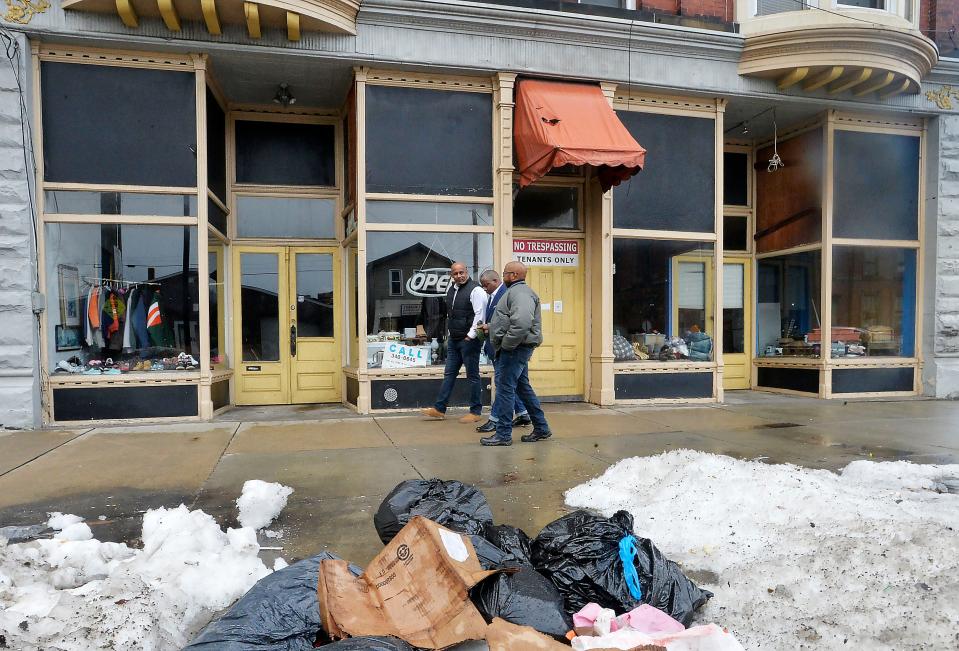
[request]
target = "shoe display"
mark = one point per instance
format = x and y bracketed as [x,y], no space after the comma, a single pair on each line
[523,420]
[157,366]
[67,367]
[124,367]
[495,440]
[92,371]
[536,435]
[487,427]
[112,371]
[432,412]
[471,418]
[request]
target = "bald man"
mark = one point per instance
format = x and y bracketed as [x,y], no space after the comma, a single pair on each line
[465,303]
[515,330]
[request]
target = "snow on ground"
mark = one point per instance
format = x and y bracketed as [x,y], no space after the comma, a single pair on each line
[260,502]
[867,559]
[74,593]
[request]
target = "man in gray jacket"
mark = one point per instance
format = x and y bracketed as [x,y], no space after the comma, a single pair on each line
[515,330]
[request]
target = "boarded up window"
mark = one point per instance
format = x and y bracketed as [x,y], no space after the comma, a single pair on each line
[429,141]
[676,189]
[215,147]
[123,126]
[876,186]
[282,153]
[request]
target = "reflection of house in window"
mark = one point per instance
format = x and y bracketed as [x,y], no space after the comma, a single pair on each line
[389,311]
[396,282]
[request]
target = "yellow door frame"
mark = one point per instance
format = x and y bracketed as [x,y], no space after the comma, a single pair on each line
[737,367]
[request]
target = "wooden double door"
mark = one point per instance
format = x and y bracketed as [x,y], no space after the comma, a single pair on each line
[286,327]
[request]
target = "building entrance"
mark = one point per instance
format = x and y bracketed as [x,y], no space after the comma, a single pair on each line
[557,275]
[286,332]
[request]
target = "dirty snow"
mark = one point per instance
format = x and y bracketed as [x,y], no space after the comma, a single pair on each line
[75,594]
[798,558]
[260,502]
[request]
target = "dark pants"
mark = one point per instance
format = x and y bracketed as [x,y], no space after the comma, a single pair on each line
[459,353]
[512,382]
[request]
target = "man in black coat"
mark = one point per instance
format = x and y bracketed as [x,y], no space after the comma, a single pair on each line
[465,304]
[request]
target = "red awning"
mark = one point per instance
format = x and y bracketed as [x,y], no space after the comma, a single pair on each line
[559,123]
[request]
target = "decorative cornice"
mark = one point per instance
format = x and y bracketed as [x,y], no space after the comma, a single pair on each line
[905,53]
[21,11]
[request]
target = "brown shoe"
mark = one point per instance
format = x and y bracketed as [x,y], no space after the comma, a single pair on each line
[471,418]
[432,412]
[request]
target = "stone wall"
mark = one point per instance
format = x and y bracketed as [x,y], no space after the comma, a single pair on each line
[942,246]
[19,382]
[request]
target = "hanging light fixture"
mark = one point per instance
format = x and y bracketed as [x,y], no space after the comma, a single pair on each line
[775,162]
[284,95]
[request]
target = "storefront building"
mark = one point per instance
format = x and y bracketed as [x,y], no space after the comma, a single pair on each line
[226,203]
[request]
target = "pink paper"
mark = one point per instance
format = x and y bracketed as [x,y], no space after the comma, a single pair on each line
[647,619]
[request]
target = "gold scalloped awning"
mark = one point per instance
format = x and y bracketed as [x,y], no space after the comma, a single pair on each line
[859,60]
[291,16]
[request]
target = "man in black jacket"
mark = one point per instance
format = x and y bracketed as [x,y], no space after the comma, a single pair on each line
[465,303]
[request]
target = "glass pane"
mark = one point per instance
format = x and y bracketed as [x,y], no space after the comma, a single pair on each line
[215,216]
[733,308]
[873,302]
[418,317]
[735,175]
[285,153]
[81,202]
[314,295]
[735,234]
[353,292]
[260,307]
[660,310]
[421,212]
[545,207]
[218,355]
[123,297]
[285,217]
[788,305]
[866,4]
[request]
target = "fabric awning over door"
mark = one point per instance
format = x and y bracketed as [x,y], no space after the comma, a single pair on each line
[560,123]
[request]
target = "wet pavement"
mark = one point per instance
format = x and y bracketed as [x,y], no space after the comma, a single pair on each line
[341,465]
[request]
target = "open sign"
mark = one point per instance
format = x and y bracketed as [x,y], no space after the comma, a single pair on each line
[429,282]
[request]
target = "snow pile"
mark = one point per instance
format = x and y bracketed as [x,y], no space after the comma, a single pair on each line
[76,593]
[801,558]
[260,502]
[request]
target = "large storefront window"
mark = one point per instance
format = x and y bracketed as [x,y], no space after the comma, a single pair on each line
[788,310]
[122,298]
[415,317]
[873,301]
[662,300]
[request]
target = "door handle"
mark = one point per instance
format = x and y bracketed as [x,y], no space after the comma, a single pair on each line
[293,340]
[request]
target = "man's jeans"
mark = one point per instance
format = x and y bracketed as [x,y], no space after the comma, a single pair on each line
[512,383]
[459,353]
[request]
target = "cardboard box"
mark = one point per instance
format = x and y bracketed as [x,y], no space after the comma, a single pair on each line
[415,589]
[504,636]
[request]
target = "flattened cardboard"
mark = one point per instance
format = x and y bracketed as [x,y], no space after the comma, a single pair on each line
[504,636]
[415,589]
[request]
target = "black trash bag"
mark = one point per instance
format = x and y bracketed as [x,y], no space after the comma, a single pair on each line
[490,556]
[366,643]
[579,553]
[525,597]
[452,504]
[511,540]
[279,613]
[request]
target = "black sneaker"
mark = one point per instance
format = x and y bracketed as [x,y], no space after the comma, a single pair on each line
[523,420]
[536,435]
[487,427]
[495,440]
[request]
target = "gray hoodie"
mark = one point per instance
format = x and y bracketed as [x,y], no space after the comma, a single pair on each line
[516,320]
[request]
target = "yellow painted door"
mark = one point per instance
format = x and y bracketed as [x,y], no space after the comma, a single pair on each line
[315,367]
[261,342]
[558,366]
[286,331]
[737,323]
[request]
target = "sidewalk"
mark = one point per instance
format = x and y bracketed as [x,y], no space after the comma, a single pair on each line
[341,465]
